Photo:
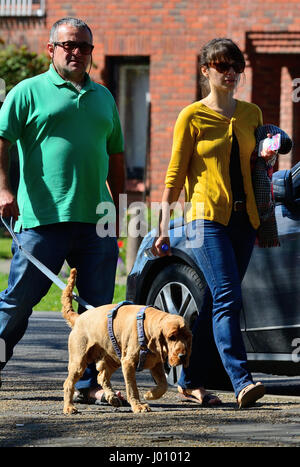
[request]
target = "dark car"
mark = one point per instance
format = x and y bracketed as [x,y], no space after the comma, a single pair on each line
[270,319]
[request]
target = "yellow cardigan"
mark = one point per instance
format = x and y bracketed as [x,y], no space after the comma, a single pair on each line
[201,156]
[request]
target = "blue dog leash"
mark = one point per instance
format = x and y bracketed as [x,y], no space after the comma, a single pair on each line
[140,315]
[41,266]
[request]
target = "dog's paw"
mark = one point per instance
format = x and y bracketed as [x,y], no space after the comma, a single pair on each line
[141,408]
[114,401]
[149,395]
[70,410]
[155,393]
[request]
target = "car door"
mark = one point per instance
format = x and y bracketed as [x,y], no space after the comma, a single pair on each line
[271,291]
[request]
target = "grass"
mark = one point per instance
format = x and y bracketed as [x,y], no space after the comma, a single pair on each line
[5,248]
[51,302]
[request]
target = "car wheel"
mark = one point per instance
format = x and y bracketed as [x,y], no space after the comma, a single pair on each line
[177,289]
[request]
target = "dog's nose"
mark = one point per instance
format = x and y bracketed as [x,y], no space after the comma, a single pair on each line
[182,357]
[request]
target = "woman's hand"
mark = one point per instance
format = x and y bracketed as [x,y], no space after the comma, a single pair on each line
[170,196]
[268,154]
[157,249]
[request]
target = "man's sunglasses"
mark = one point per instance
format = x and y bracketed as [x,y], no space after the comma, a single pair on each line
[84,47]
[224,67]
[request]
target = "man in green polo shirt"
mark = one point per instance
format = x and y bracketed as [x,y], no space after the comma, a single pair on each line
[70,145]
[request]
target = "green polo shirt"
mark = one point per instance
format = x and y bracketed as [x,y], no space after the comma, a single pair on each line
[64,140]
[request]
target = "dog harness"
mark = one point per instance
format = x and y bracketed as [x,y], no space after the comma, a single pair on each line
[141,337]
[140,332]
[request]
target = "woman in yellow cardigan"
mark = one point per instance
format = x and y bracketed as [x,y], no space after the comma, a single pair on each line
[212,146]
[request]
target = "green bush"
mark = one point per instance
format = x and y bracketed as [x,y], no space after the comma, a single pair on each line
[18,63]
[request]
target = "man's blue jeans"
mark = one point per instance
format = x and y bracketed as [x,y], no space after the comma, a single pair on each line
[223,259]
[94,258]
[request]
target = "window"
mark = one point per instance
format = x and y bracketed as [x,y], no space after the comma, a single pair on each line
[22,8]
[128,80]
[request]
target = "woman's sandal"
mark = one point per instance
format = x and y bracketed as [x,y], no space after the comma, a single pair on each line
[206,401]
[250,394]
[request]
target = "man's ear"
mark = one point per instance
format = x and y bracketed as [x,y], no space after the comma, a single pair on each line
[50,48]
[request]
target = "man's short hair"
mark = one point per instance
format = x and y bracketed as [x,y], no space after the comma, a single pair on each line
[75,22]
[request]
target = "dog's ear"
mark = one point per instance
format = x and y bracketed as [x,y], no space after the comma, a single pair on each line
[163,348]
[155,325]
[171,327]
[157,345]
[152,345]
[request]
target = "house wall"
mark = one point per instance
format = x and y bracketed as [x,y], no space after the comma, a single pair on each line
[171,34]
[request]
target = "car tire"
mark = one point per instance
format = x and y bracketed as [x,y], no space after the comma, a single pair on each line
[179,289]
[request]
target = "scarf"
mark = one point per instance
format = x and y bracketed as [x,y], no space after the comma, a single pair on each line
[262,171]
[267,234]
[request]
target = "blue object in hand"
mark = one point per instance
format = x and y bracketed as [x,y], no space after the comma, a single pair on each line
[148,253]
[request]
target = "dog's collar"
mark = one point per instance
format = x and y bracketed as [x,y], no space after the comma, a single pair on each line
[140,332]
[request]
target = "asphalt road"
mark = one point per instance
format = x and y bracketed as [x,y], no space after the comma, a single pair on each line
[31,403]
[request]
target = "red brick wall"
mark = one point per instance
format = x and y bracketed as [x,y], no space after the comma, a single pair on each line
[171,33]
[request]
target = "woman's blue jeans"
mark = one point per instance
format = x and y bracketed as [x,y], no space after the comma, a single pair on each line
[94,258]
[223,258]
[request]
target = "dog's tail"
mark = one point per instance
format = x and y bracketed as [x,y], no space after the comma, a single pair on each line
[67,310]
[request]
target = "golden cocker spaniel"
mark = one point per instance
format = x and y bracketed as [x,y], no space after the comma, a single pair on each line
[166,335]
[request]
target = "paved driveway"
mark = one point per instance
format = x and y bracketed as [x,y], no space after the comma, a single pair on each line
[31,403]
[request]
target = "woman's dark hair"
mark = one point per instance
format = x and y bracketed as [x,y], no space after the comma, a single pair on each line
[218,50]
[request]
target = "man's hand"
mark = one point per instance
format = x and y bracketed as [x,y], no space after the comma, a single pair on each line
[116,182]
[8,204]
